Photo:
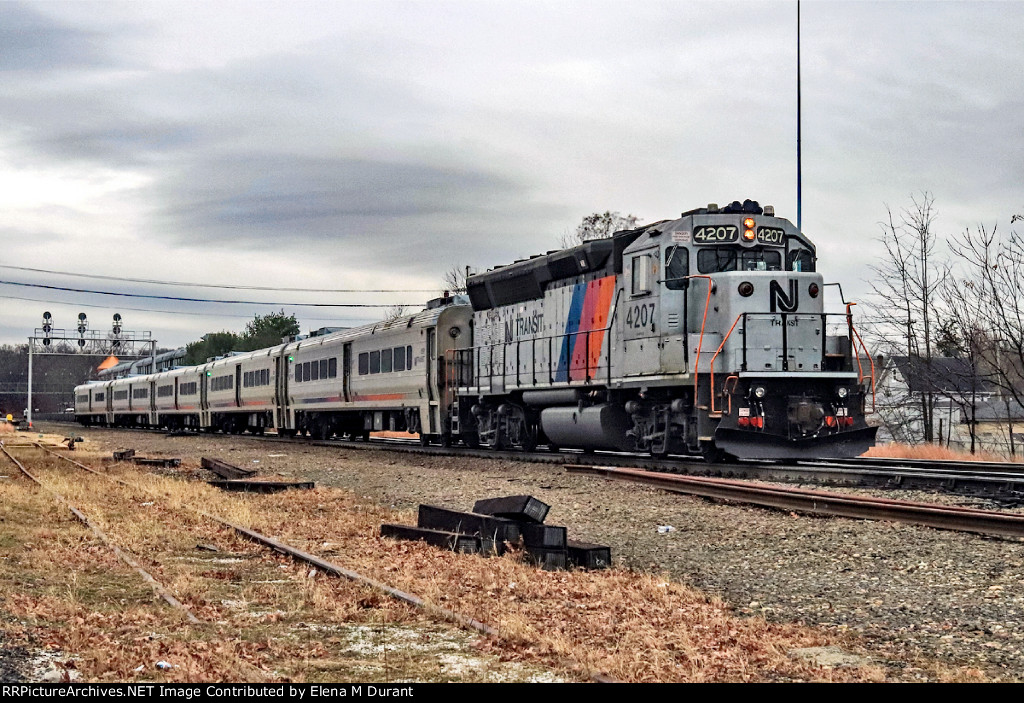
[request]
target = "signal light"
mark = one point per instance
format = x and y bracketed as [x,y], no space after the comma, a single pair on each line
[749,223]
[46,342]
[749,235]
[813,290]
[81,342]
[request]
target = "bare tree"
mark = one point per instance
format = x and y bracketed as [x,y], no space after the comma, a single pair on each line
[905,292]
[394,312]
[991,281]
[455,278]
[599,225]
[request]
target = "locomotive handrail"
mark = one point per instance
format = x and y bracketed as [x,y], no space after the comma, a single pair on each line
[853,336]
[700,341]
[586,366]
[871,361]
[719,351]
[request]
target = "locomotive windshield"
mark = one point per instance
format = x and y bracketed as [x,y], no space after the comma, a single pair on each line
[721,259]
[800,260]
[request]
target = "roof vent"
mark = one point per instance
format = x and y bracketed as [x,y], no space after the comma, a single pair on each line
[769,210]
[712,206]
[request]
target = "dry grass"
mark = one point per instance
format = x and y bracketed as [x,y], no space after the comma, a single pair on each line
[268,620]
[631,626]
[896,450]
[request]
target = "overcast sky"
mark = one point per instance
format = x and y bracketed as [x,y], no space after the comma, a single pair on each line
[374,144]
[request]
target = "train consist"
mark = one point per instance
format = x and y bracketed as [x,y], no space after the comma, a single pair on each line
[705,334]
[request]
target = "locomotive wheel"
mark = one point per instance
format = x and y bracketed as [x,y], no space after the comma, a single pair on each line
[424,439]
[470,439]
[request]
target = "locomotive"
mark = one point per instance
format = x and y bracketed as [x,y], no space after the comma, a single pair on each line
[704,334]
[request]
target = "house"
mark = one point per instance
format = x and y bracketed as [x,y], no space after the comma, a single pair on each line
[946,387]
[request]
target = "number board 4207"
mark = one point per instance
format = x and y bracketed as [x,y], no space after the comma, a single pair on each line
[716,234]
[771,235]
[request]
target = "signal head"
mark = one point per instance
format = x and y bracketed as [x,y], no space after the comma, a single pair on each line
[117,317]
[47,315]
[81,342]
[81,316]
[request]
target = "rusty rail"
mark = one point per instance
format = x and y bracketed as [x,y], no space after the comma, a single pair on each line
[331,568]
[942,517]
[121,554]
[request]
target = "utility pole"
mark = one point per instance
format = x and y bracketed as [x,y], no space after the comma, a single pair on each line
[799,174]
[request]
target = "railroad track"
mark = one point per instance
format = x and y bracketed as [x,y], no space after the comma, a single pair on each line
[1001,481]
[944,517]
[275,545]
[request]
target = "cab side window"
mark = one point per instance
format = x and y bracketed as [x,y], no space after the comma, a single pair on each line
[641,270]
[677,267]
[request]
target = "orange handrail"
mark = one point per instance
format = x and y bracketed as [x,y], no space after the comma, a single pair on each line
[700,341]
[712,367]
[871,361]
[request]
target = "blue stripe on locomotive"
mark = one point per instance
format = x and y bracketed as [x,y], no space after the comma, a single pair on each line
[572,325]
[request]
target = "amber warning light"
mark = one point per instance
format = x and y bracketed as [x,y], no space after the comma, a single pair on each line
[748,231]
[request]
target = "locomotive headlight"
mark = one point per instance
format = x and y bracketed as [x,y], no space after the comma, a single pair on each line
[760,392]
[748,229]
[842,391]
[813,290]
[746,289]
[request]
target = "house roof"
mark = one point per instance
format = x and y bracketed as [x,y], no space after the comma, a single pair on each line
[941,374]
[995,409]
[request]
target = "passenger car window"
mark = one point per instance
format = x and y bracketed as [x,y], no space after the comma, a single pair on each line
[375,362]
[323,368]
[364,363]
[399,355]
[385,361]
[332,367]
[314,371]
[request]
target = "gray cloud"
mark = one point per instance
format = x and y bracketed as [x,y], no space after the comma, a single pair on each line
[33,41]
